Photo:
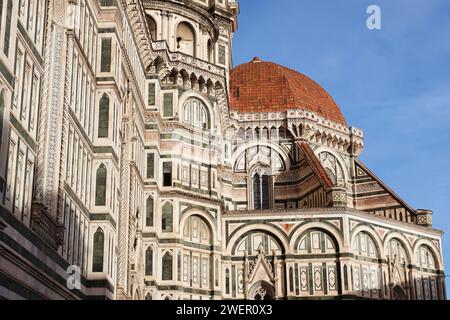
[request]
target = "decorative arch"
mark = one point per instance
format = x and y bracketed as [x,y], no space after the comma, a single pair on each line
[186,38]
[339,159]
[375,237]
[253,241]
[401,239]
[395,249]
[194,95]
[365,249]
[197,230]
[196,257]
[328,229]
[399,293]
[152,26]
[206,216]
[262,290]
[330,242]
[270,229]
[432,248]
[424,257]
[279,152]
[195,113]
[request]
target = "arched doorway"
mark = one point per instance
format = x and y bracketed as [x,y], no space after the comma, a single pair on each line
[261,291]
[399,294]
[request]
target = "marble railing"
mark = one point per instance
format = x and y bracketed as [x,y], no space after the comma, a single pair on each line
[185,61]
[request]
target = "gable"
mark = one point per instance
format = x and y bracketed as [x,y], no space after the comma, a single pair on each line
[373,196]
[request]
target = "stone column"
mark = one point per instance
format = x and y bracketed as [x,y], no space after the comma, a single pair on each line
[56,85]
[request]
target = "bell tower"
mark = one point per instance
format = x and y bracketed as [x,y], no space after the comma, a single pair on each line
[177,246]
[202,29]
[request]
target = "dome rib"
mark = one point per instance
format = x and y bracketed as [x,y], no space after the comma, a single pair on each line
[268,87]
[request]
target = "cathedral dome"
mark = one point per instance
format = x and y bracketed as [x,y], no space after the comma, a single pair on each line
[260,86]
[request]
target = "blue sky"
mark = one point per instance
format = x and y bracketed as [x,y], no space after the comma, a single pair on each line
[394,83]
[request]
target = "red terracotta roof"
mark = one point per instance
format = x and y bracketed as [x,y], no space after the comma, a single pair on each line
[316,166]
[260,86]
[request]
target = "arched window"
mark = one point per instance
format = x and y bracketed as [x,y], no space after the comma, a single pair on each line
[396,252]
[103,117]
[196,231]
[149,262]
[316,242]
[167,217]
[152,28]
[197,254]
[257,192]
[364,246]
[255,241]
[148,296]
[106,58]
[167,267]
[100,186]
[186,41]
[333,167]
[426,278]
[227,281]
[97,257]
[149,212]
[366,274]
[425,258]
[261,192]
[195,113]
[210,51]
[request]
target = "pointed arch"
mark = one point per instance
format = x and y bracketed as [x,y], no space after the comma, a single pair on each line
[149,261]
[210,48]
[103,117]
[100,186]
[98,251]
[167,217]
[167,266]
